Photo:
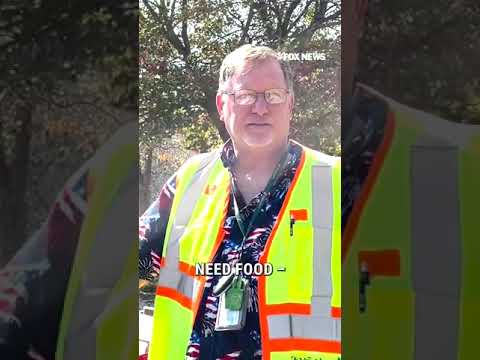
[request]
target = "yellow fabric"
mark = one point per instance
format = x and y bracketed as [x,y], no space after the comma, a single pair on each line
[184,175]
[293,253]
[110,341]
[336,265]
[389,322]
[173,323]
[206,219]
[172,326]
[389,301]
[116,168]
[470,291]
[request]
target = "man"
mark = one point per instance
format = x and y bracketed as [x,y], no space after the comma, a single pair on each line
[260,199]
[409,219]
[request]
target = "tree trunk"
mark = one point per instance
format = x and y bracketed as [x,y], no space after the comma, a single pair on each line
[147,181]
[13,207]
[4,234]
[213,114]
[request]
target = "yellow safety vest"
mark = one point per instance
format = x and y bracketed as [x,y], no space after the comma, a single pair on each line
[410,248]
[299,309]
[102,296]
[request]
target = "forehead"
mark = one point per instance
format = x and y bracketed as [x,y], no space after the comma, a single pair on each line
[258,75]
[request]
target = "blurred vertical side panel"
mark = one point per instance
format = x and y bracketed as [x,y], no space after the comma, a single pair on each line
[68,179]
[410,179]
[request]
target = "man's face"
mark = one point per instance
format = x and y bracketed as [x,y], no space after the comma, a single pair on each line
[260,125]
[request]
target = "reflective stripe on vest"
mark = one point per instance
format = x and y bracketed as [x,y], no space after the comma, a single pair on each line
[298,321]
[325,327]
[416,300]
[176,280]
[202,193]
[99,302]
[435,225]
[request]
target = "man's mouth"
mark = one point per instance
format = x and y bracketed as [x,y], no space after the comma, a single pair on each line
[259,125]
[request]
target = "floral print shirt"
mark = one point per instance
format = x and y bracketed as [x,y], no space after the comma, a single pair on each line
[359,146]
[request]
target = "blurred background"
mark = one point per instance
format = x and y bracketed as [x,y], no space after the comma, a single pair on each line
[68,81]
[425,54]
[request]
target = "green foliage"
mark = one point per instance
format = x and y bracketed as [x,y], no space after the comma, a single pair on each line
[425,54]
[201,135]
[47,42]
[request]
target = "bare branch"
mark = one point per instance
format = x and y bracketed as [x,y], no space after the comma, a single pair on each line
[274,6]
[151,11]
[232,16]
[262,12]
[289,12]
[166,23]
[300,16]
[172,9]
[304,36]
[247,25]
[184,31]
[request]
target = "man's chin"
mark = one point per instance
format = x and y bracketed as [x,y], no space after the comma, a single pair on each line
[255,142]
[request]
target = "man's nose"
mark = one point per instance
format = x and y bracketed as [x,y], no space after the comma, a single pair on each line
[260,107]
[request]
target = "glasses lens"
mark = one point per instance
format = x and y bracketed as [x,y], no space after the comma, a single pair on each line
[245,97]
[275,96]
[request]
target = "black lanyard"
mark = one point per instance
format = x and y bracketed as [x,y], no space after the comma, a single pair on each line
[271,182]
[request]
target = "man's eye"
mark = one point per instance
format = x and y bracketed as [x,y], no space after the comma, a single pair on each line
[243,98]
[274,96]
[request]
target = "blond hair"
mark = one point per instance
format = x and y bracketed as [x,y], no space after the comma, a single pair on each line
[251,54]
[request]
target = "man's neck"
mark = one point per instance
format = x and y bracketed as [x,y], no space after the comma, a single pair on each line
[253,169]
[255,161]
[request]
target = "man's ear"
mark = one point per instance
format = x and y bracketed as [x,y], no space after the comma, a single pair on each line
[291,103]
[219,102]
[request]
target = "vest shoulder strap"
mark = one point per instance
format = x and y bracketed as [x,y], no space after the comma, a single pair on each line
[429,125]
[194,165]
[190,179]
[322,158]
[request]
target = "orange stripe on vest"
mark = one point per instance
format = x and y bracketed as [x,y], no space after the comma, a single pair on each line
[175,296]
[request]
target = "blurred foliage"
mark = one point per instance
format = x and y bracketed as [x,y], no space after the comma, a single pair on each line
[182,45]
[158,163]
[68,80]
[425,54]
[201,135]
[43,43]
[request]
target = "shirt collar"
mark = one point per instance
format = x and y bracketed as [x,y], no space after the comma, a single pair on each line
[227,154]
[228,158]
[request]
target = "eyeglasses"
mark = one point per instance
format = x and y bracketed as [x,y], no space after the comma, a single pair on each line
[249,97]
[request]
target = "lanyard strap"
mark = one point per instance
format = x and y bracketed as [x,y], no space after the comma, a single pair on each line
[246,229]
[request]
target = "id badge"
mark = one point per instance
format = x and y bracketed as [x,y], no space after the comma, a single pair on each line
[228,318]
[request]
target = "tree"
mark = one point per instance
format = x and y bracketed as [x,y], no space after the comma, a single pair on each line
[425,54]
[183,43]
